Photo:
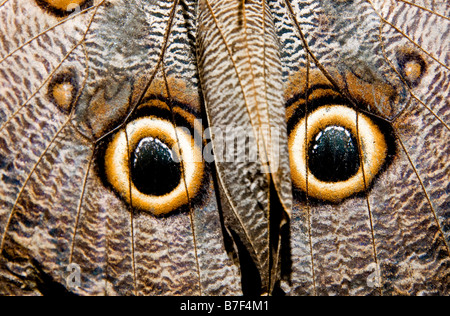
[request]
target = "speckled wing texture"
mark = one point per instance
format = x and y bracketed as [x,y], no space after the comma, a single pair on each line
[394,239]
[71,81]
[241,76]
[55,208]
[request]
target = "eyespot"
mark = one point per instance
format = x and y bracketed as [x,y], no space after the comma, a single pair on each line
[335,153]
[63,8]
[63,89]
[159,165]
[412,66]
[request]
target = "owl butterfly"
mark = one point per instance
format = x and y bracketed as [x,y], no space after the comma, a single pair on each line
[232,147]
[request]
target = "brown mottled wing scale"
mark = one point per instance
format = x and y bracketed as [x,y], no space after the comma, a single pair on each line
[30,185]
[68,83]
[393,240]
[55,207]
[240,71]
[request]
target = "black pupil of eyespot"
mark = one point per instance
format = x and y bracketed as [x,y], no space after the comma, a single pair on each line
[333,155]
[154,170]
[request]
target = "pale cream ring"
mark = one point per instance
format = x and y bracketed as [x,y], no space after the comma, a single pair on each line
[117,164]
[373,146]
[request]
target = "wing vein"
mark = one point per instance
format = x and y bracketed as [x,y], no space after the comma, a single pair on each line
[13,115]
[80,205]
[369,209]
[42,154]
[89,165]
[44,32]
[383,48]
[424,191]
[191,211]
[55,69]
[425,9]
[308,205]
[26,182]
[150,81]
[3,3]
[407,37]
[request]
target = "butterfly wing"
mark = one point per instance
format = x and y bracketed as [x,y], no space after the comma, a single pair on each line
[240,69]
[32,129]
[69,84]
[394,238]
[73,86]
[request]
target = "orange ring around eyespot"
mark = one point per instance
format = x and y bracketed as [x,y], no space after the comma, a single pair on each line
[371,140]
[64,5]
[117,164]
